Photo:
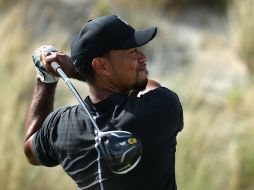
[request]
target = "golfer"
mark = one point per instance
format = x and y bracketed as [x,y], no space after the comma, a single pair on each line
[105,55]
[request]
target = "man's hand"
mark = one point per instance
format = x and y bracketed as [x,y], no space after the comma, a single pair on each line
[48,54]
[63,60]
[42,73]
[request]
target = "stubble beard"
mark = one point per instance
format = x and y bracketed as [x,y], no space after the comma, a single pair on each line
[140,84]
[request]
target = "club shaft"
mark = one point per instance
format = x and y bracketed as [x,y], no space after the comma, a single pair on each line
[58,69]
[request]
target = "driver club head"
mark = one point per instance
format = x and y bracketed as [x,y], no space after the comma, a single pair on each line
[122,150]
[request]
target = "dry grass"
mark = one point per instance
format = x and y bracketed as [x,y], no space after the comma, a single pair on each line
[19,38]
[214,149]
[241,14]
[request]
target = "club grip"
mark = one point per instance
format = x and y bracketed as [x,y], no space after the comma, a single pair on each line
[55,65]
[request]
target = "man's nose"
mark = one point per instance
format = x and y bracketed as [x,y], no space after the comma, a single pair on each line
[141,57]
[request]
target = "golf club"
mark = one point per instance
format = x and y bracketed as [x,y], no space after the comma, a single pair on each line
[122,150]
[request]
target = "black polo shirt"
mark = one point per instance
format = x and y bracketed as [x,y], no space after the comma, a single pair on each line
[67,138]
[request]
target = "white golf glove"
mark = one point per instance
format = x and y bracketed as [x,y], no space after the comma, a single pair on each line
[44,75]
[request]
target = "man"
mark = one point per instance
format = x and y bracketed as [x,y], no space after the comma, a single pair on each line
[105,55]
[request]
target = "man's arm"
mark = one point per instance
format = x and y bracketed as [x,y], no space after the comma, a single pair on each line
[43,98]
[41,106]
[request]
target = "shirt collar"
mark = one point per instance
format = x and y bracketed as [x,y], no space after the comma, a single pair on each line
[107,103]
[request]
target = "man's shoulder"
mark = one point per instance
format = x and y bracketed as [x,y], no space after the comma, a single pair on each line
[160,99]
[61,112]
[164,90]
[160,94]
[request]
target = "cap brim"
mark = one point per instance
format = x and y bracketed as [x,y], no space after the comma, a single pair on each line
[139,38]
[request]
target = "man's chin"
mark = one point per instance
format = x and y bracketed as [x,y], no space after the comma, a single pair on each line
[140,85]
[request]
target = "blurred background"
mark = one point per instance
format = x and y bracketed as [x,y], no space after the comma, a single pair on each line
[204,51]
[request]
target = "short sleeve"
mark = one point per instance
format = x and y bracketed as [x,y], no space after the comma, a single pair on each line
[179,112]
[167,105]
[42,140]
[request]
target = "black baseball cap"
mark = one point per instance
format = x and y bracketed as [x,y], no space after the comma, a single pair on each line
[106,33]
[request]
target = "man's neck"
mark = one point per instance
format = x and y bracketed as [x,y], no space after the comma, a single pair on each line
[98,93]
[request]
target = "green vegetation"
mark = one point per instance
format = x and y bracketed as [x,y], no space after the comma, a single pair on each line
[215,147]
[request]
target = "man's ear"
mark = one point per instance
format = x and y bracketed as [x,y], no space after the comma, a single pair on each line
[101,66]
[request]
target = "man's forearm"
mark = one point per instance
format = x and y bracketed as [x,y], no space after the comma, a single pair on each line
[41,106]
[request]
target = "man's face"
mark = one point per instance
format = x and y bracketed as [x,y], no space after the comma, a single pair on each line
[128,69]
